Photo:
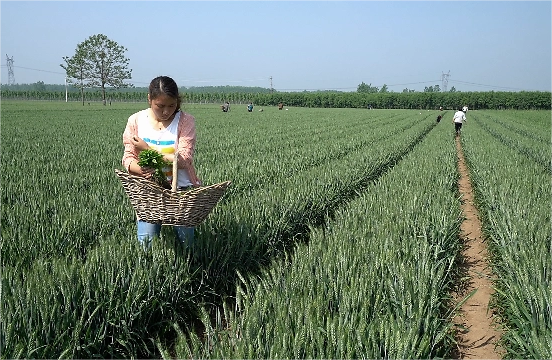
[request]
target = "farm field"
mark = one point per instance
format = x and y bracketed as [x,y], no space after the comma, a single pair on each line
[338,238]
[513,194]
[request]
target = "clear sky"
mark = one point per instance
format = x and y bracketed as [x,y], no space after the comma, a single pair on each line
[301,45]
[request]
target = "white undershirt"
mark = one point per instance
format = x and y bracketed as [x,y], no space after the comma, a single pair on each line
[164,141]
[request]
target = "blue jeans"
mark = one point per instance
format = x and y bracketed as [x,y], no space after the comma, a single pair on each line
[147,231]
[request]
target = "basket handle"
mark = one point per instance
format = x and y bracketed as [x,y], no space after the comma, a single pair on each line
[175,172]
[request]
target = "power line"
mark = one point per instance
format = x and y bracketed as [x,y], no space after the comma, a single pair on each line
[491,86]
[354,88]
[416,83]
[48,71]
[444,79]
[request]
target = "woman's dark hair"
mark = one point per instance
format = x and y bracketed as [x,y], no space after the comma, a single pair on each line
[164,85]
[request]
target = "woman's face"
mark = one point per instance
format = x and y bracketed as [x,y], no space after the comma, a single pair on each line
[163,107]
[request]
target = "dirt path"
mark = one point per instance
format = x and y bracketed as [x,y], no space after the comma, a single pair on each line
[477,336]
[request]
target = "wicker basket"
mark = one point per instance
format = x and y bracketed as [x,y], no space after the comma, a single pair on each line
[155,204]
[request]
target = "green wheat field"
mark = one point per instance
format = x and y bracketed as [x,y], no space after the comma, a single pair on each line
[338,237]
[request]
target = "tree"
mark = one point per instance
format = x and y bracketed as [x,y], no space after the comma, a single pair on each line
[435,88]
[384,89]
[98,62]
[363,88]
[39,86]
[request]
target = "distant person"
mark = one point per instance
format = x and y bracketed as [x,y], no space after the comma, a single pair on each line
[280,106]
[439,117]
[458,118]
[250,107]
[225,107]
[465,109]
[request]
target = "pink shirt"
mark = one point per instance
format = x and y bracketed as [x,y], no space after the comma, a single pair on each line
[186,139]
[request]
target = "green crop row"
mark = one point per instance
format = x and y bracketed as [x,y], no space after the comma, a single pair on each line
[287,205]
[75,282]
[288,146]
[66,221]
[513,195]
[530,124]
[373,283]
[532,144]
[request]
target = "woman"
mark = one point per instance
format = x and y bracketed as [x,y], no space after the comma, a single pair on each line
[165,128]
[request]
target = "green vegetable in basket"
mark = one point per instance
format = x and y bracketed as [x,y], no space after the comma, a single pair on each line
[154,159]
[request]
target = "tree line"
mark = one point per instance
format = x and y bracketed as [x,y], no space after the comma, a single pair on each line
[42,87]
[98,71]
[415,100]
[523,100]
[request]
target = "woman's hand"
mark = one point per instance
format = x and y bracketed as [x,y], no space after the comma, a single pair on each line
[196,182]
[147,172]
[138,143]
[138,170]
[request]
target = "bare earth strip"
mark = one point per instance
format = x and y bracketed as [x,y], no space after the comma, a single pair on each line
[478,336]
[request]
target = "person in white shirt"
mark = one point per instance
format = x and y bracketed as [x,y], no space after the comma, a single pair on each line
[458,118]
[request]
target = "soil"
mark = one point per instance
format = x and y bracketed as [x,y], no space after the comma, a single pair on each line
[477,333]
